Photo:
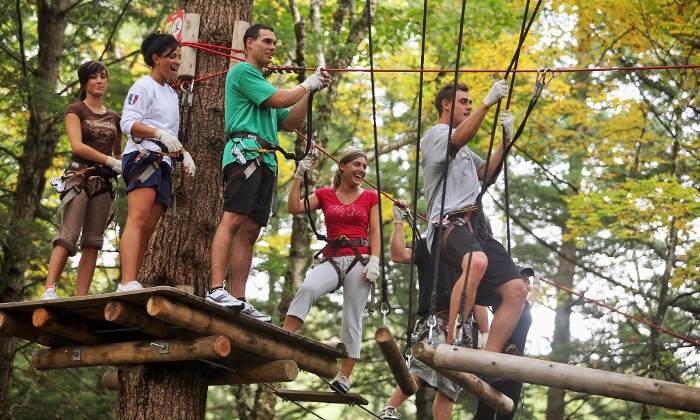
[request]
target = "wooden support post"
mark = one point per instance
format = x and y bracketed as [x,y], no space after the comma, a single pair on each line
[132,316]
[467,381]
[574,378]
[215,347]
[255,373]
[239,29]
[395,360]
[69,327]
[14,327]
[190,33]
[248,339]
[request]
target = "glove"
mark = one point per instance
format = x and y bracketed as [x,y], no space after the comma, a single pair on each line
[303,166]
[400,209]
[498,91]
[189,163]
[114,164]
[507,123]
[371,271]
[536,284]
[171,142]
[483,337]
[313,83]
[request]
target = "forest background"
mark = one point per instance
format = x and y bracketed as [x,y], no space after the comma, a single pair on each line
[602,194]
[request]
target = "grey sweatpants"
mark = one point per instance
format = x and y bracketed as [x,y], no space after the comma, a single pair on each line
[323,279]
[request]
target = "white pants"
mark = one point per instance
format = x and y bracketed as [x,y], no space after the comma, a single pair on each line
[323,279]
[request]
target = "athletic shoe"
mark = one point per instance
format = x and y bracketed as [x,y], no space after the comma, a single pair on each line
[50,293]
[254,313]
[221,297]
[389,413]
[132,285]
[342,384]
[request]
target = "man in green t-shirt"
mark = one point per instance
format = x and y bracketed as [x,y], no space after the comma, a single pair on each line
[255,112]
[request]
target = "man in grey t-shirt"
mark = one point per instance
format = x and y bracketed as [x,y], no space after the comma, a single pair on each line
[467,244]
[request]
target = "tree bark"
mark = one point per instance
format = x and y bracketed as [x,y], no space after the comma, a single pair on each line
[180,248]
[39,144]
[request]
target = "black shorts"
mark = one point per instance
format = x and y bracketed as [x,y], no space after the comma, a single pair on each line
[251,196]
[500,270]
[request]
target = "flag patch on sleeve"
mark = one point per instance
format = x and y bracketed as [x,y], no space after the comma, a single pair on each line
[131,100]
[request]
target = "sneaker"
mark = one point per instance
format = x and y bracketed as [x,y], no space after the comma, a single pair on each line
[132,285]
[389,413]
[221,297]
[250,310]
[342,384]
[50,293]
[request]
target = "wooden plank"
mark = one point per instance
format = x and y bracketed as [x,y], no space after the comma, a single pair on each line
[394,358]
[164,350]
[322,397]
[269,346]
[574,378]
[65,326]
[467,381]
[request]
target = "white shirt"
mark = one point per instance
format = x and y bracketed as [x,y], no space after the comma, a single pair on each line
[152,104]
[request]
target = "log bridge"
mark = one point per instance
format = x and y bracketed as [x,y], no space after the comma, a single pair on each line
[165,324]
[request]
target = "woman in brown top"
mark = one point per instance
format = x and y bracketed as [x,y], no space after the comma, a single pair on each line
[95,139]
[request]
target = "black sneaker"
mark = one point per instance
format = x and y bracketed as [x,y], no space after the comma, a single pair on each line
[342,384]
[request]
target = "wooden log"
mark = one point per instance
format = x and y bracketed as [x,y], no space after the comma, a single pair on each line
[190,33]
[574,378]
[485,392]
[255,373]
[136,317]
[110,380]
[251,340]
[395,360]
[15,327]
[69,327]
[322,397]
[151,351]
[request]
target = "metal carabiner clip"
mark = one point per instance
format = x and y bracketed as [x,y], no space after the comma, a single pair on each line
[546,81]
[384,310]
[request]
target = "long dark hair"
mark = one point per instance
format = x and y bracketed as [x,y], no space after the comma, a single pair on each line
[86,70]
[158,44]
[347,157]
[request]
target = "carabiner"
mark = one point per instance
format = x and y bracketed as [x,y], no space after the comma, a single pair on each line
[384,309]
[544,76]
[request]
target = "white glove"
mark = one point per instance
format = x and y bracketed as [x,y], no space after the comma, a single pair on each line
[498,91]
[171,142]
[188,163]
[507,123]
[400,209]
[303,166]
[371,270]
[114,164]
[536,284]
[483,337]
[313,83]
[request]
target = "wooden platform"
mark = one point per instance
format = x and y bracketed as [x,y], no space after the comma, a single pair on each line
[322,397]
[153,319]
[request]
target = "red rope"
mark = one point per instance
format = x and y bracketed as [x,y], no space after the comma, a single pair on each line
[599,303]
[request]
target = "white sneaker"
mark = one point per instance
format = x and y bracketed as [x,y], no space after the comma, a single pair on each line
[132,285]
[252,312]
[389,413]
[50,293]
[342,384]
[221,297]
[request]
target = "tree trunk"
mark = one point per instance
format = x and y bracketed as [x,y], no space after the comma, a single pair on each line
[561,341]
[180,248]
[39,144]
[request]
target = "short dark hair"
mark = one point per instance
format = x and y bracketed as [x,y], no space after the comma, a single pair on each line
[158,44]
[254,32]
[86,70]
[447,93]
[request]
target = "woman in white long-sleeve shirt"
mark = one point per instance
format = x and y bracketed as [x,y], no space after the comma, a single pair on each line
[151,120]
